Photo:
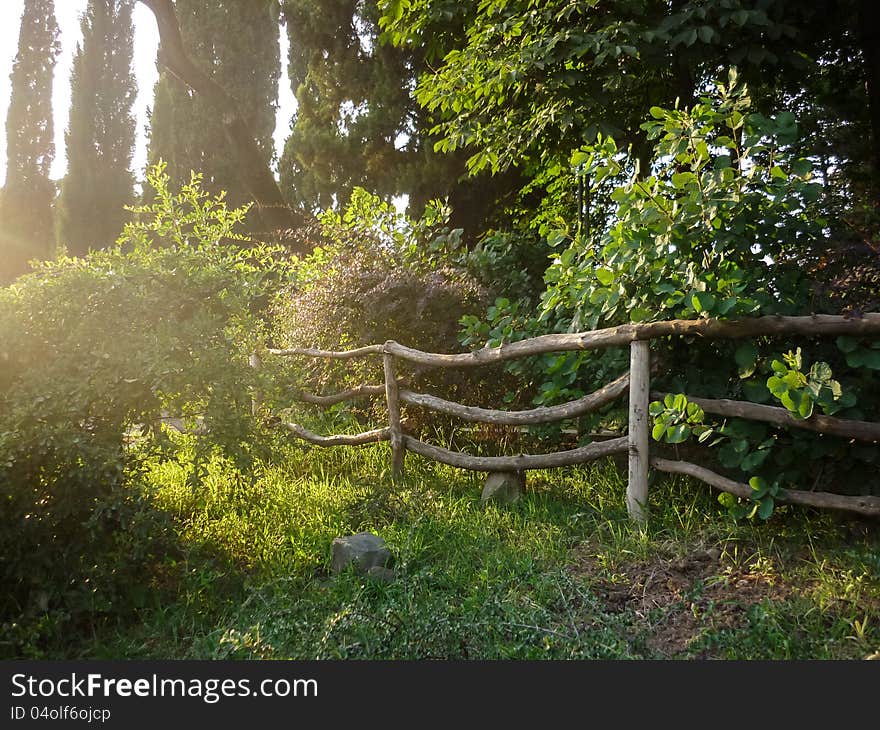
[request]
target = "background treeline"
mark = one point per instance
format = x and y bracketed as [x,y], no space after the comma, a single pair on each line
[568,165]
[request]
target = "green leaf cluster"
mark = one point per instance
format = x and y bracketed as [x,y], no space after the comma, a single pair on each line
[760,504]
[675,419]
[800,392]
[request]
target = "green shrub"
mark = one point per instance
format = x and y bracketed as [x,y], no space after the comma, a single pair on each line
[93,352]
[380,277]
[724,222]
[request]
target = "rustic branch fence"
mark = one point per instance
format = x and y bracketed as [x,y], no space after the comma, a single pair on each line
[636,382]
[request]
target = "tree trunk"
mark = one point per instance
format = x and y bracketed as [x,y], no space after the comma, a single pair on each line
[255,174]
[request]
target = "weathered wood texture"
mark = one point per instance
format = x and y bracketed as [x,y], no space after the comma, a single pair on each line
[398,445]
[564,411]
[330,354]
[359,439]
[844,427]
[639,436]
[521,461]
[815,325]
[864,505]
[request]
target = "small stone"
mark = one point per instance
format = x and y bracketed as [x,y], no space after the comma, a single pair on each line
[504,487]
[381,574]
[714,554]
[363,550]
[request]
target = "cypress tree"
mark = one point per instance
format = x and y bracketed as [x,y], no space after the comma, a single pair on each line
[357,123]
[26,203]
[100,134]
[236,42]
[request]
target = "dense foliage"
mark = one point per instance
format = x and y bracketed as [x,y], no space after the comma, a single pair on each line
[236,43]
[580,165]
[94,353]
[100,133]
[26,203]
[378,276]
[726,222]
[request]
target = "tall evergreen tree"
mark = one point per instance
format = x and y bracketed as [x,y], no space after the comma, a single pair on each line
[236,42]
[100,135]
[26,203]
[357,123]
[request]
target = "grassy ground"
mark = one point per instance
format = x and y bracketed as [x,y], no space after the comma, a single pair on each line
[559,574]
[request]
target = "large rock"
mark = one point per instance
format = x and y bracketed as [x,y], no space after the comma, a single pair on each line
[364,551]
[504,486]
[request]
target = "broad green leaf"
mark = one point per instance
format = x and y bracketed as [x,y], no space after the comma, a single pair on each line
[677,434]
[680,179]
[639,314]
[777,386]
[694,411]
[766,508]
[805,407]
[759,486]
[605,276]
[753,460]
[801,167]
[578,158]
[756,391]
[702,301]
[658,431]
[729,457]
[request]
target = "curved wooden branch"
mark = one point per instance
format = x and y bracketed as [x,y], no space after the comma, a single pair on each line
[869,506]
[330,354]
[359,439]
[810,326]
[846,428]
[361,391]
[815,325]
[572,409]
[253,169]
[519,462]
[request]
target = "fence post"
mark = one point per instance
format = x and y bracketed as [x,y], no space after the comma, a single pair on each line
[398,444]
[639,387]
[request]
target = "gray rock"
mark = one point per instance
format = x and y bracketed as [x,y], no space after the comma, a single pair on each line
[363,550]
[381,574]
[504,487]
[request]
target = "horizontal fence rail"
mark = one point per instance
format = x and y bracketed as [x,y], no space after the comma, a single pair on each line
[819,325]
[635,383]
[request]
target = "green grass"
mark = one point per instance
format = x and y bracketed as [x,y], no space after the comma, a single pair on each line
[559,574]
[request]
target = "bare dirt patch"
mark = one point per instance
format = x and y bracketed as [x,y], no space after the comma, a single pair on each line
[680,598]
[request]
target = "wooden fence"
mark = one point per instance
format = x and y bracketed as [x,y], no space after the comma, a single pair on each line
[636,382]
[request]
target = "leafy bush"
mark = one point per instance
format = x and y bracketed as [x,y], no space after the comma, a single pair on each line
[379,277]
[94,351]
[725,222]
